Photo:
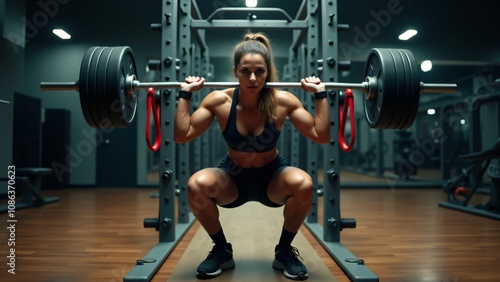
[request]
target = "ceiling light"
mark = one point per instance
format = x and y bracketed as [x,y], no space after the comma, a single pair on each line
[61,33]
[426,66]
[431,112]
[251,3]
[462,121]
[407,34]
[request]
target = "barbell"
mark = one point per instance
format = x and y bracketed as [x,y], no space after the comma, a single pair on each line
[108,87]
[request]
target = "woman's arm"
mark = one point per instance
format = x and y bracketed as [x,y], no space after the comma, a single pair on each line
[316,128]
[189,126]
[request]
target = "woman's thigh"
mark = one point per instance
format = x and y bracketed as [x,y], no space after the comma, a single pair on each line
[214,183]
[286,183]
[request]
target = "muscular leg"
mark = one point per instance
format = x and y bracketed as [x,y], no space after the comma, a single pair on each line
[208,188]
[292,187]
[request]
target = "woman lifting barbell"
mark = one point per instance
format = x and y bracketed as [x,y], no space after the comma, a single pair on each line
[251,118]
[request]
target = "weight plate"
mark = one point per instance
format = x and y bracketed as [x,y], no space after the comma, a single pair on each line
[404,96]
[399,109]
[100,82]
[93,95]
[406,121]
[122,105]
[415,89]
[83,87]
[378,108]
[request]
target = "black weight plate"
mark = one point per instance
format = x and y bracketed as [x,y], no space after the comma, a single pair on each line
[83,87]
[399,96]
[373,68]
[415,89]
[378,108]
[129,68]
[100,97]
[404,100]
[408,91]
[401,108]
[122,105]
[92,85]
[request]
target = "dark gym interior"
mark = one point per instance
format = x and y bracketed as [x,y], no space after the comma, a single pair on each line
[424,199]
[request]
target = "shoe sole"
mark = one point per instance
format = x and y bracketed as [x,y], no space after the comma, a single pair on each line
[206,275]
[279,266]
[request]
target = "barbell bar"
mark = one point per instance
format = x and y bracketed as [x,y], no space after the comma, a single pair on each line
[136,85]
[108,87]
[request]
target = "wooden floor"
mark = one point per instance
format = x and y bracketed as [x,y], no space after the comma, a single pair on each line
[97,235]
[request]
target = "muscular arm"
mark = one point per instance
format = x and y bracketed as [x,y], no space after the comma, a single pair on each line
[189,126]
[316,128]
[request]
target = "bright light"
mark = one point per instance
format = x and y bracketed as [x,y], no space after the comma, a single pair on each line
[431,112]
[426,66]
[345,73]
[407,34]
[251,3]
[61,33]
[462,121]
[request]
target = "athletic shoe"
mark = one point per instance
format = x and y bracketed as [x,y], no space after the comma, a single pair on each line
[286,259]
[220,258]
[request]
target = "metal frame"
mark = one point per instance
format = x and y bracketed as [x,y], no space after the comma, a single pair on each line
[310,68]
[185,166]
[302,141]
[293,147]
[328,234]
[480,163]
[170,233]
[249,10]
[195,103]
[473,171]
[29,186]
[470,209]
[239,24]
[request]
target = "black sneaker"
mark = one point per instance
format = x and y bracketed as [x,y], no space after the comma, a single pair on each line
[220,258]
[286,259]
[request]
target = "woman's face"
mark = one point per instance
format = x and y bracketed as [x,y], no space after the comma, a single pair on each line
[251,72]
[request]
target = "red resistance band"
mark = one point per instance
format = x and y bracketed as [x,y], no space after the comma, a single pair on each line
[151,106]
[347,105]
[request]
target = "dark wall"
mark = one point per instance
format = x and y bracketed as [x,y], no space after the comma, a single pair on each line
[11,73]
[56,138]
[27,131]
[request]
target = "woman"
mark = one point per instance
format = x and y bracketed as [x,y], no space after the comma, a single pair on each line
[251,118]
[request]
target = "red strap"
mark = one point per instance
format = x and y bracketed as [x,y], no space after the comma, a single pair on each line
[151,105]
[348,105]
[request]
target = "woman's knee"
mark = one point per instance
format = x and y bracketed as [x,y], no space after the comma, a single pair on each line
[207,183]
[198,198]
[200,185]
[302,186]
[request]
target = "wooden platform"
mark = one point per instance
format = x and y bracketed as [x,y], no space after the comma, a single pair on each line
[253,230]
[403,236]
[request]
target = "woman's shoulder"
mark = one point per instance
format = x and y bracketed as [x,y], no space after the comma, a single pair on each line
[218,97]
[286,98]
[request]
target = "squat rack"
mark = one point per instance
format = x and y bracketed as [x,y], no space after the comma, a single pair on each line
[181,25]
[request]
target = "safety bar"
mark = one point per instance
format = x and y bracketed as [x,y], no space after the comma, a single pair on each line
[222,10]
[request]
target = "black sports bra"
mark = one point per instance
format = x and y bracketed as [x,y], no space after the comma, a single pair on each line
[264,142]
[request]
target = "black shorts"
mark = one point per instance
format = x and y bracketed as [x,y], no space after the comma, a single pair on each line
[252,182]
